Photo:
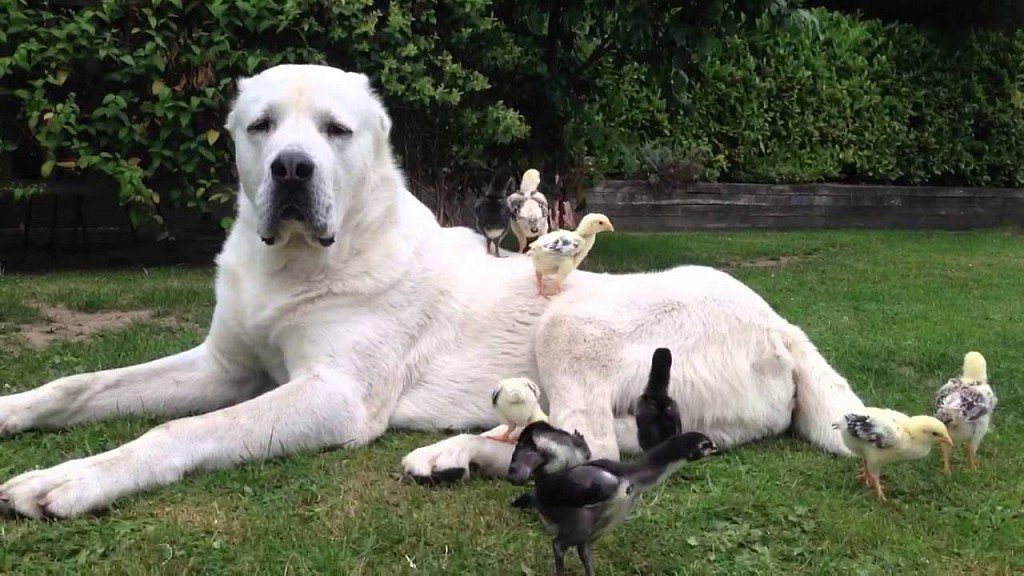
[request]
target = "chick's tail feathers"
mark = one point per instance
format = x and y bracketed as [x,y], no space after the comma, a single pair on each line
[661,368]
[823,397]
[530,181]
[975,367]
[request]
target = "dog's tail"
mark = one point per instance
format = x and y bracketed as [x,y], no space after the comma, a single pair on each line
[822,395]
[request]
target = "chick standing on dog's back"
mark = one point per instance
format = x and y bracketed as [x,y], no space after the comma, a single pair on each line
[560,252]
[493,215]
[529,209]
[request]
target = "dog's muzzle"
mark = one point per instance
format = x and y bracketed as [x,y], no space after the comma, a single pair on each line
[292,196]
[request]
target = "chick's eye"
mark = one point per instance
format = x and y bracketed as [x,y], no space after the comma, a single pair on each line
[336,129]
[260,126]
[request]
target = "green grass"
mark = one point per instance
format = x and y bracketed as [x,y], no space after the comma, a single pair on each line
[893,311]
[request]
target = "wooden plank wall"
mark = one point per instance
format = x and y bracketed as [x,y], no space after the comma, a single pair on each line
[635,205]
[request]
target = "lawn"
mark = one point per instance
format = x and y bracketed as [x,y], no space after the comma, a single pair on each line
[893,311]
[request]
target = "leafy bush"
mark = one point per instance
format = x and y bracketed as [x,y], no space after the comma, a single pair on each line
[860,101]
[138,91]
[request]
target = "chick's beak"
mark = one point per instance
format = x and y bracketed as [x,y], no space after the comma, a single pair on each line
[946,441]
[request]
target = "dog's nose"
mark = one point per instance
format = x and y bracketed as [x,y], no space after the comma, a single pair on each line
[292,166]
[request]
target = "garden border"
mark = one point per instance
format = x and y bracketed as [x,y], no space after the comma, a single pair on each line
[638,205]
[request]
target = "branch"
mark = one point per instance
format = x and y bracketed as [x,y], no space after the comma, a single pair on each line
[554,36]
[594,57]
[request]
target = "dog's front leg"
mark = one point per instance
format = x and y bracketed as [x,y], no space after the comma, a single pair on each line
[316,411]
[186,383]
[579,401]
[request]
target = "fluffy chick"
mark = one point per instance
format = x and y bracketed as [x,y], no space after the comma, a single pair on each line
[657,414]
[881,435]
[530,211]
[965,406]
[517,402]
[580,504]
[560,252]
[493,216]
[543,449]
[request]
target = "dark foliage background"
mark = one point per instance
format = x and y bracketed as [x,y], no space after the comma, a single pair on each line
[136,92]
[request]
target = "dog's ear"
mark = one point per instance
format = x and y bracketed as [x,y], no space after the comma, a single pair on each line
[371,82]
[240,84]
[385,122]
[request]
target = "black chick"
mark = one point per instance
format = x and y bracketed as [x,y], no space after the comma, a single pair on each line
[543,449]
[580,504]
[657,415]
[493,216]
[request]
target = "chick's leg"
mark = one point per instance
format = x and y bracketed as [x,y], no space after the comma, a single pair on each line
[972,456]
[497,245]
[864,476]
[559,554]
[588,565]
[540,285]
[947,457]
[876,482]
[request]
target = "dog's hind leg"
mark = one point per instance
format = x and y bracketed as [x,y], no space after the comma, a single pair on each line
[186,383]
[316,411]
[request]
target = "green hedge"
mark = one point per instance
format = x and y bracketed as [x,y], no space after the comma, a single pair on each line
[852,100]
[138,91]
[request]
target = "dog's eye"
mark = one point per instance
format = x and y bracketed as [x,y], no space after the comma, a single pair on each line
[260,126]
[335,129]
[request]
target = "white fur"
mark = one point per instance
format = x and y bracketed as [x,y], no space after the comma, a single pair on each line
[399,324]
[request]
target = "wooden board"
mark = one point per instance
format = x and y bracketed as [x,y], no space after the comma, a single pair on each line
[635,205]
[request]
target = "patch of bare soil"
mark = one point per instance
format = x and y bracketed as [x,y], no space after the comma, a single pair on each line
[60,323]
[766,262]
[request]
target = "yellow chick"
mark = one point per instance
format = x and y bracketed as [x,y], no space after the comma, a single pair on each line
[560,252]
[517,402]
[965,406]
[880,435]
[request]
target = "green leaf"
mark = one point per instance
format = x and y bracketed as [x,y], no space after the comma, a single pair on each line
[46,168]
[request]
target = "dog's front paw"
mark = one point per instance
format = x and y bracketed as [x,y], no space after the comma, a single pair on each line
[451,460]
[10,423]
[439,463]
[63,491]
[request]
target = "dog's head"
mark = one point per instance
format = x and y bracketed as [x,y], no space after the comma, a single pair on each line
[307,139]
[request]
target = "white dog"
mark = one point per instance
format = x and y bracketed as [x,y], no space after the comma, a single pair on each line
[344,309]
